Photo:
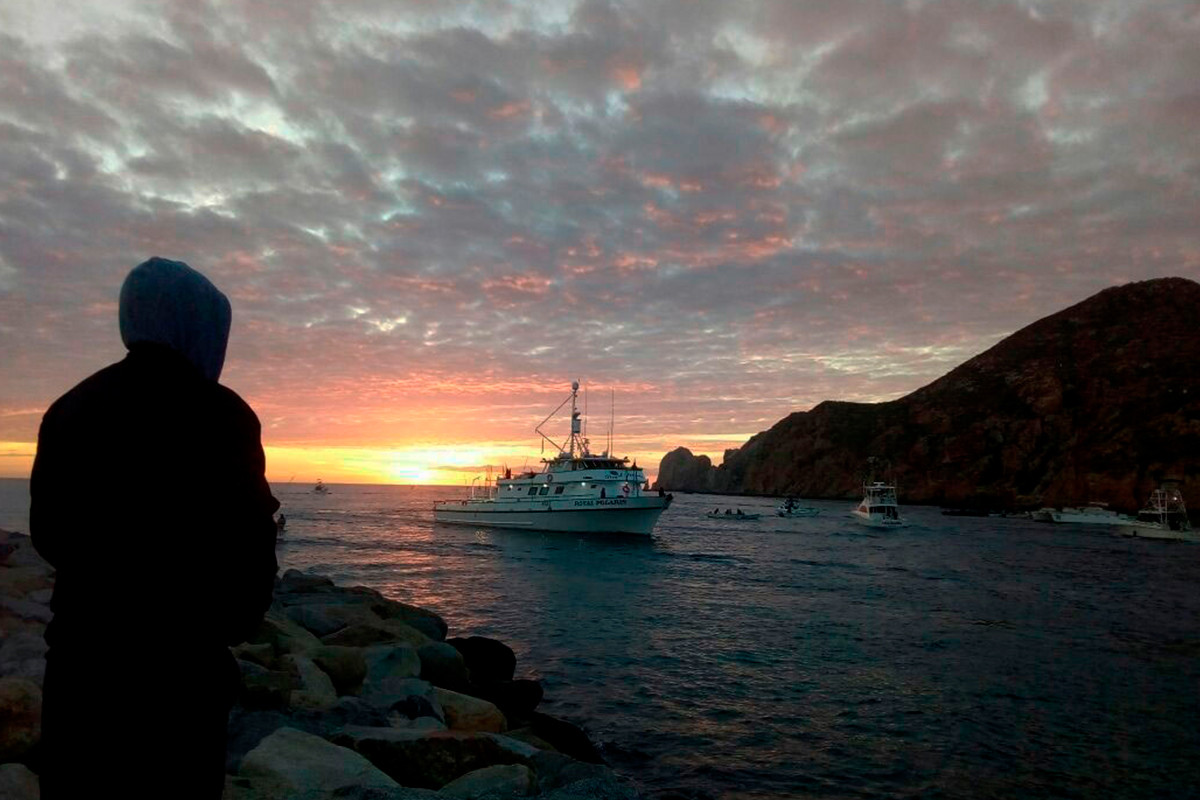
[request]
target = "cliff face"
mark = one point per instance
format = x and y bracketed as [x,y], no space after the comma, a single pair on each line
[1100,401]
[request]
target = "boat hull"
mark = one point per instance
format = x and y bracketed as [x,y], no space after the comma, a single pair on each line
[877,520]
[1155,531]
[635,516]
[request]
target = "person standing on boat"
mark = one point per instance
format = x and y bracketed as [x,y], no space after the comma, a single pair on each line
[148,496]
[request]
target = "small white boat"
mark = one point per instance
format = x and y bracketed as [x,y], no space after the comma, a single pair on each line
[576,491]
[1164,517]
[791,509]
[736,515]
[1094,514]
[879,508]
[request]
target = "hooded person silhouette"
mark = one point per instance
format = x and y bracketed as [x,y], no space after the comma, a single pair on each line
[148,496]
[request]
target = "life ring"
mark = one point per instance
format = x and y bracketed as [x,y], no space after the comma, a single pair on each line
[625,488]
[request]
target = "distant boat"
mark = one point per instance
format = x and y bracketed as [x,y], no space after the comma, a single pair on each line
[879,508]
[1093,514]
[792,509]
[732,515]
[320,488]
[1164,517]
[1042,515]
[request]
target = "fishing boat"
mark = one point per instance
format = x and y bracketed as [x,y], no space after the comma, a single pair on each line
[1164,517]
[879,508]
[320,488]
[791,509]
[575,491]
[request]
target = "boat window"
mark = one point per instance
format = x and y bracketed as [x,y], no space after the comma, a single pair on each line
[544,490]
[559,489]
[532,490]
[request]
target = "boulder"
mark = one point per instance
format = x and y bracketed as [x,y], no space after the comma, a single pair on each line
[20,718]
[425,621]
[376,631]
[442,665]
[316,691]
[315,619]
[293,580]
[23,655]
[25,609]
[267,689]
[408,698]
[566,737]
[466,713]
[517,699]
[489,660]
[500,781]
[20,581]
[555,770]
[18,782]
[261,654]
[432,759]
[600,788]
[388,661]
[307,767]
[345,666]
[283,635]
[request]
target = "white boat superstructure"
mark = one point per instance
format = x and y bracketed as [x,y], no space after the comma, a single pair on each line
[1164,517]
[1094,514]
[791,509]
[576,491]
[879,508]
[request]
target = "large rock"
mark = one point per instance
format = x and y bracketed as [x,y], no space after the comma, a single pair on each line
[466,713]
[566,737]
[431,760]
[316,691]
[283,635]
[345,666]
[20,718]
[20,581]
[517,699]
[492,783]
[18,782]
[489,660]
[443,665]
[307,767]
[23,655]
[388,661]
[376,631]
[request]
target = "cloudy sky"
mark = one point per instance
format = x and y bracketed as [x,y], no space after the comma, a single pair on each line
[431,216]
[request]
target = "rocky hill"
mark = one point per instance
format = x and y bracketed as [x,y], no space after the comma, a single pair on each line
[1100,401]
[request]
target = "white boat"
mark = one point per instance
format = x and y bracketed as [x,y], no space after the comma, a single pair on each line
[1094,514]
[791,509]
[576,491]
[879,508]
[1164,517]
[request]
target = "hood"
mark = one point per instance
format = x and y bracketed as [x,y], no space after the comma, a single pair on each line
[169,303]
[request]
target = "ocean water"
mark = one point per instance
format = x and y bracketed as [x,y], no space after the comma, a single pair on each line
[958,657]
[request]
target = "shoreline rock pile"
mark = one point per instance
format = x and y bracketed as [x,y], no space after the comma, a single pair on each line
[346,694]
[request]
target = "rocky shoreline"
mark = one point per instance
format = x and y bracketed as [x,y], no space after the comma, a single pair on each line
[346,694]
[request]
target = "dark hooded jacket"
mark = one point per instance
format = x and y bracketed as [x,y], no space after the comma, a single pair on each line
[148,488]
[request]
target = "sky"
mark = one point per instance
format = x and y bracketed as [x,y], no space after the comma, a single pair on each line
[431,216]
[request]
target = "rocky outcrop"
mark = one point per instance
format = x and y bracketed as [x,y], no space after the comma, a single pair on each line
[1100,401]
[346,694]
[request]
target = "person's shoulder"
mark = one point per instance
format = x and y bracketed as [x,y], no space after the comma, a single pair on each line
[233,404]
[98,385]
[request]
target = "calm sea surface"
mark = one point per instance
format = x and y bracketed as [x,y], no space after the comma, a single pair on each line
[811,658]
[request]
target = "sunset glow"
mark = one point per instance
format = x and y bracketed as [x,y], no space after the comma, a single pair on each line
[431,218]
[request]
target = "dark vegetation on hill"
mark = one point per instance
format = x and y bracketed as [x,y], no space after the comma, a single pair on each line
[1100,401]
